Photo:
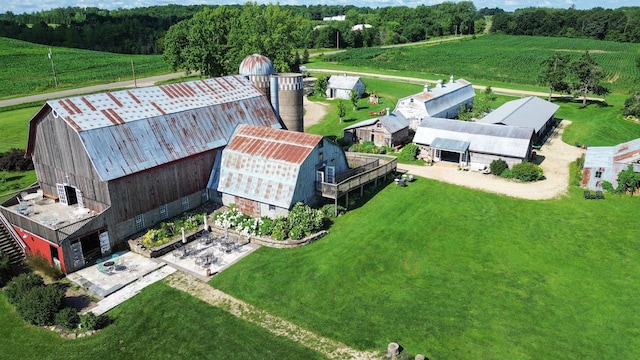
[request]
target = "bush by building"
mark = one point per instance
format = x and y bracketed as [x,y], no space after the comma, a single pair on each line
[527,172]
[498,166]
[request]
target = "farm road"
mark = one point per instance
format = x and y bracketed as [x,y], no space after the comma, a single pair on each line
[91,89]
[421,81]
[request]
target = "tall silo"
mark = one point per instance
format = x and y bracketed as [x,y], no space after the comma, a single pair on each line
[258,69]
[290,106]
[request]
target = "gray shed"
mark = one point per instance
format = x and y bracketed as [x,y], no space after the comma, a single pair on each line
[473,144]
[604,163]
[389,130]
[340,86]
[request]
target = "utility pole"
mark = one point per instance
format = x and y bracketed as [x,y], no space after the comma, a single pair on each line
[337,39]
[53,68]
[133,70]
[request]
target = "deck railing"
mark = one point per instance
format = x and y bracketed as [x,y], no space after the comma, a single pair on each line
[383,166]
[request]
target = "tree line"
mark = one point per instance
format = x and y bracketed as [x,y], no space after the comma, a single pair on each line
[140,30]
[621,25]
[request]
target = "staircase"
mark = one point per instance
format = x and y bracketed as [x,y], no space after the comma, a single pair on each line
[8,245]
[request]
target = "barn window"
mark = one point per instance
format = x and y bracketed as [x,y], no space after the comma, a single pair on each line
[320,157]
[599,173]
[163,212]
[272,207]
[378,125]
[139,222]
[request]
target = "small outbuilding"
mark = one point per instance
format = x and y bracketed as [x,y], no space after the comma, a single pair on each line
[604,163]
[266,171]
[531,112]
[441,101]
[340,86]
[473,144]
[389,130]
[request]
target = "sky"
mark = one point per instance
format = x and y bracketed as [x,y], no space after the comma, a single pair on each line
[29,6]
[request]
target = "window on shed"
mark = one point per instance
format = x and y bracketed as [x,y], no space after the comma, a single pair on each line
[185,203]
[139,222]
[320,156]
[272,207]
[378,125]
[599,173]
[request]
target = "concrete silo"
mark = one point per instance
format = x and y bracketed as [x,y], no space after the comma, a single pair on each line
[289,99]
[258,69]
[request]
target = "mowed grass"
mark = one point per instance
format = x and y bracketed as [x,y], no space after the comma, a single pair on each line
[26,68]
[14,128]
[498,60]
[158,323]
[455,273]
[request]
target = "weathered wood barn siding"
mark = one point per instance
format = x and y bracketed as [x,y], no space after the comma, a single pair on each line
[59,156]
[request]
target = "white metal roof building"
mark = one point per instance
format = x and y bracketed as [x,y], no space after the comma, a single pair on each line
[442,101]
[604,163]
[531,112]
[472,142]
[340,86]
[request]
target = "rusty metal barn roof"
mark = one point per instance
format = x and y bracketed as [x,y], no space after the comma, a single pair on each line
[128,131]
[263,164]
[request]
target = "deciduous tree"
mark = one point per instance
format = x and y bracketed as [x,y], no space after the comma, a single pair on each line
[587,75]
[341,110]
[554,73]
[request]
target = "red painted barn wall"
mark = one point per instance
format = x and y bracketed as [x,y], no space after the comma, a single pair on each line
[38,246]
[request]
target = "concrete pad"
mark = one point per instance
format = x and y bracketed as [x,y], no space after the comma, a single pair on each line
[187,263]
[132,267]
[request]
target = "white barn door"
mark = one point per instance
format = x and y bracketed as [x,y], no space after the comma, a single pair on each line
[62,194]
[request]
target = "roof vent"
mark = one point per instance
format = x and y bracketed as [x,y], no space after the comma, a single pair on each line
[451,79]
[387,111]
[439,84]
[426,87]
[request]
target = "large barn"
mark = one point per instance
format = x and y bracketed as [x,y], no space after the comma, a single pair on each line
[531,112]
[266,171]
[442,101]
[468,143]
[604,163]
[110,165]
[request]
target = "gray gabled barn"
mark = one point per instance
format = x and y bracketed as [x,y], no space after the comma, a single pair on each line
[113,164]
[531,112]
[266,171]
[388,130]
[341,86]
[604,163]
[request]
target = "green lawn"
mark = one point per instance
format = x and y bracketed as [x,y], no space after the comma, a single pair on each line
[14,127]
[455,273]
[158,323]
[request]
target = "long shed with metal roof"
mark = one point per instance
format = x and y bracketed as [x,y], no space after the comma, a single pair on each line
[473,143]
[132,158]
[531,112]
[266,171]
[444,100]
[604,163]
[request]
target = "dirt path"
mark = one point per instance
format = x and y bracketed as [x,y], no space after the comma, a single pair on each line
[314,111]
[327,347]
[554,158]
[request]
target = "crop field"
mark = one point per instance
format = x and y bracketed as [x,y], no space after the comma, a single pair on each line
[26,68]
[500,58]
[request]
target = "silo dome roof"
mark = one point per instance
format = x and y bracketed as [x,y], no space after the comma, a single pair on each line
[256,65]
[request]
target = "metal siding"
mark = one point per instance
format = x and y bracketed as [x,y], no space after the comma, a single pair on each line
[530,112]
[437,101]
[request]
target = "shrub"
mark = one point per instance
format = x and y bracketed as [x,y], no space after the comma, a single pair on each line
[90,321]
[296,233]
[309,220]
[68,318]
[507,174]
[266,228]
[40,304]
[329,210]
[5,269]
[19,286]
[498,167]
[409,152]
[40,264]
[607,186]
[280,228]
[14,160]
[527,172]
